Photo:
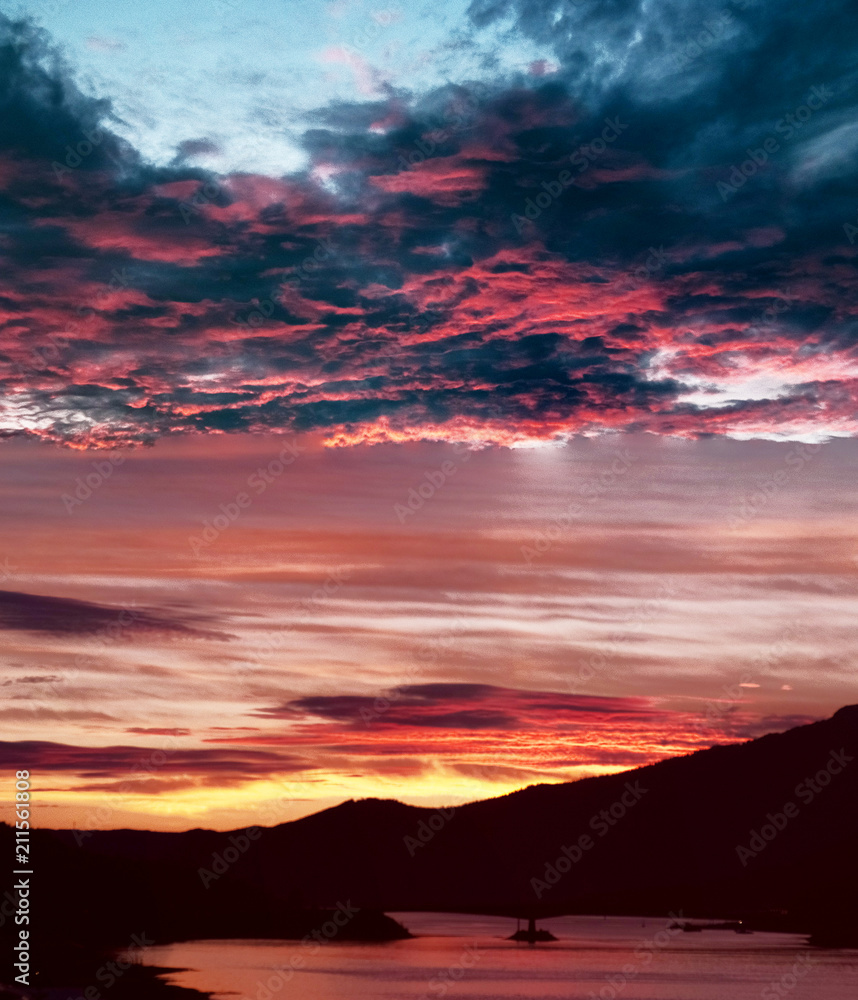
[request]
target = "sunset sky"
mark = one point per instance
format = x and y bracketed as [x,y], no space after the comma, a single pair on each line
[418,400]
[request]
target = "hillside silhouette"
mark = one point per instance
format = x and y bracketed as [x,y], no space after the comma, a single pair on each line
[665,837]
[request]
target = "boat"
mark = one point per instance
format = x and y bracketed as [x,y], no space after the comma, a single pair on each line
[532,934]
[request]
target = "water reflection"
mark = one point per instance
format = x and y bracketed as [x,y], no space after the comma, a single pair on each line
[470,957]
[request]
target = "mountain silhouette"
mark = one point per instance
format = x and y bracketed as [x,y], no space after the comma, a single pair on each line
[764,830]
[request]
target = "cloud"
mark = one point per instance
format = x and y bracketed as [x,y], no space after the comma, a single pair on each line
[66,616]
[101,44]
[144,731]
[34,679]
[33,714]
[460,706]
[470,727]
[125,764]
[191,148]
[608,246]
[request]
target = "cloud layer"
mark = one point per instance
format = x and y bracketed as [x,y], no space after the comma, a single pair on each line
[646,234]
[68,617]
[546,614]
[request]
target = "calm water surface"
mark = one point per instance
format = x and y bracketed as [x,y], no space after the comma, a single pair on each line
[468,958]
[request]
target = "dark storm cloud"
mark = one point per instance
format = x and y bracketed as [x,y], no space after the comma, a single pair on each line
[613,245]
[41,109]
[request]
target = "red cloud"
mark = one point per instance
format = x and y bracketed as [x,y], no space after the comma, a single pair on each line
[373,303]
[445,180]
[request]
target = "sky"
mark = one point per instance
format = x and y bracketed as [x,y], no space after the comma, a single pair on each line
[418,401]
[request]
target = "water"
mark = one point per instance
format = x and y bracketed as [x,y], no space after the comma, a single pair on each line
[467,957]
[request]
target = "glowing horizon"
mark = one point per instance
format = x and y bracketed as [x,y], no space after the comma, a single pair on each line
[527,623]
